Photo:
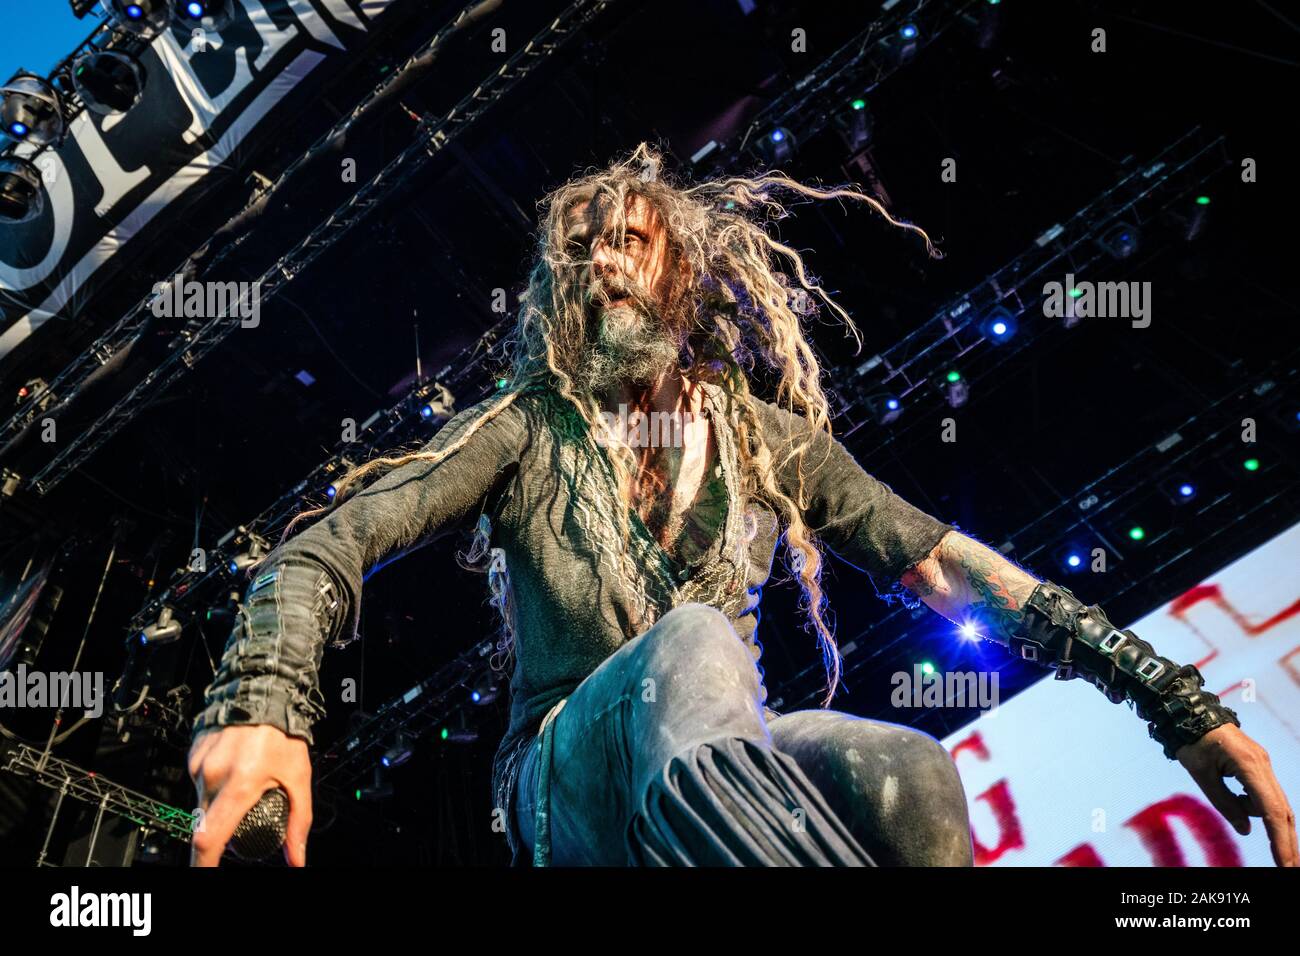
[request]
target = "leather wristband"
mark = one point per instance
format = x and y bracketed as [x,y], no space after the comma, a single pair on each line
[1057,630]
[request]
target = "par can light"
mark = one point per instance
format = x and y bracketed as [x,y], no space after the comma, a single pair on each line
[21,197]
[109,82]
[30,111]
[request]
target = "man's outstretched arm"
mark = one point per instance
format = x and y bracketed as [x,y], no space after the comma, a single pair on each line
[252,733]
[863,521]
[976,587]
[973,585]
[307,591]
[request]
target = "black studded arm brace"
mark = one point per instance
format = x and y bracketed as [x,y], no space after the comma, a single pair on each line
[308,591]
[268,673]
[1060,631]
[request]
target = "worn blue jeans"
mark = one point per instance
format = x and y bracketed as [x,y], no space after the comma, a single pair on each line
[664,756]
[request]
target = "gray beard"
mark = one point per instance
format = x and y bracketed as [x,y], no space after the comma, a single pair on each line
[634,353]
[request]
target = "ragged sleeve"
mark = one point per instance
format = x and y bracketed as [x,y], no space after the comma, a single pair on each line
[853,514]
[308,590]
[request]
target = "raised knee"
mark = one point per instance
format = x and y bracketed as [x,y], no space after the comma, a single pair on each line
[923,754]
[695,624]
[694,631]
[898,786]
[861,752]
[696,616]
[938,809]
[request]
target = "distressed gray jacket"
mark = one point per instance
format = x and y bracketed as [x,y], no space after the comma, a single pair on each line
[552,513]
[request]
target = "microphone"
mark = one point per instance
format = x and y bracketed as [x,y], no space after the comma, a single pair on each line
[263,829]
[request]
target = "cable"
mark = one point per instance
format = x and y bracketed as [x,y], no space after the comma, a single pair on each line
[108,566]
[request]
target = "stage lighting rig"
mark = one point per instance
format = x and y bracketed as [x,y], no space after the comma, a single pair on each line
[22,198]
[212,16]
[1119,241]
[901,45]
[998,325]
[885,408]
[223,614]
[402,750]
[856,124]
[109,82]
[955,388]
[254,552]
[1077,555]
[164,631]
[380,789]
[434,402]
[485,690]
[776,146]
[31,111]
[461,733]
[38,387]
[1188,218]
[140,17]
[1180,489]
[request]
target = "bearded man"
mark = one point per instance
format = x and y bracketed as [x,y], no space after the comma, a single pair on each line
[628,573]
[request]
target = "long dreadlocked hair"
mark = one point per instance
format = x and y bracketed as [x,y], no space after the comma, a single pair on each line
[747,296]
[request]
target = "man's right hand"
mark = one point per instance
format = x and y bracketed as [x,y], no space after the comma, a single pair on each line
[231,768]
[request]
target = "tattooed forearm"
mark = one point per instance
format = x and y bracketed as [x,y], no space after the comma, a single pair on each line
[971,584]
[993,603]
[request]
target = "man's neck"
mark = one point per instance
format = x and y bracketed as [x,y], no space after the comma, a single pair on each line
[670,392]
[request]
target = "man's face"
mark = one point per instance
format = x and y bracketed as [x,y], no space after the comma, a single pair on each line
[623,288]
[642,260]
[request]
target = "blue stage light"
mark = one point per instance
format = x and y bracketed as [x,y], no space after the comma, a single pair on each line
[1179,489]
[1120,241]
[19,130]
[142,17]
[884,408]
[998,325]
[331,491]
[777,146]
[908,32]
[426,411]
[1074,560]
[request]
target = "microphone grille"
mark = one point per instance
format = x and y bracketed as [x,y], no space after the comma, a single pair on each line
[263,829]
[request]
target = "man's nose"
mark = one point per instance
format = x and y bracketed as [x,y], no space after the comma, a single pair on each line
[602,259]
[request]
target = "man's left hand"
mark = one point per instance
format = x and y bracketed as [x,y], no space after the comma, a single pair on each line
[1227,752]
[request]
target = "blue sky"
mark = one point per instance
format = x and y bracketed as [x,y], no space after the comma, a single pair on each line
[38,33]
